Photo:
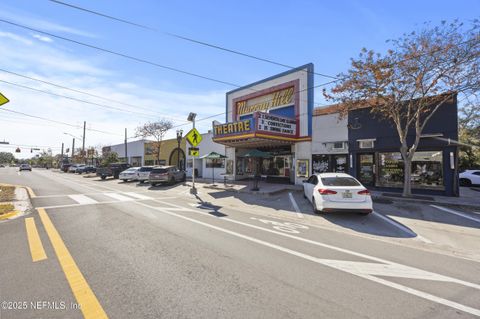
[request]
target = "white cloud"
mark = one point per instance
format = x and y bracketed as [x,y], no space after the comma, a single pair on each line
[12,36]
[44,25]
[39,60]
[42,38]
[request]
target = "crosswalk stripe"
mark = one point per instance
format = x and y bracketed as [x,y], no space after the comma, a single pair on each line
[82,199]
[138,196]
[118,197]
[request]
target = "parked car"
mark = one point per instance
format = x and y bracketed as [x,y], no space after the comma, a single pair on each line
[144,173]
[85,169]
[166,174]
[73,168]
[80,168]
[25,167]
[332,192]
[1,165]
[470,177]
[129,174]
[113,169]
[65,167]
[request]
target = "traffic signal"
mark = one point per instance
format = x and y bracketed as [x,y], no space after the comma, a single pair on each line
[18,150]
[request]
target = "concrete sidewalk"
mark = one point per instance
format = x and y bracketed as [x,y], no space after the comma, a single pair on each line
[265,189]
[469,198]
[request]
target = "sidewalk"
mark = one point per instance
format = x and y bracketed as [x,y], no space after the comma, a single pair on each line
[265,189]
[20,203]
[469,198]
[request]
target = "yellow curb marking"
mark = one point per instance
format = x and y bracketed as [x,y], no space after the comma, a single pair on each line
[34,241]
[30,192]
[8,215]
[89,304]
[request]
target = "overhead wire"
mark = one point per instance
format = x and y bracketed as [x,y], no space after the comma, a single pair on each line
[181,37]
[77,91]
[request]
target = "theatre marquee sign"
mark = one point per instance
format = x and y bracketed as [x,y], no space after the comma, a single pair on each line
[276,124]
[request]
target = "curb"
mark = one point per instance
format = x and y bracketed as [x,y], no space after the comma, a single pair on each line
[387,199]
[15,213]
[259,193]
[9,215]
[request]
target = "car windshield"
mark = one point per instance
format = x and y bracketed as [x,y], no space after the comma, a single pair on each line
[339,181]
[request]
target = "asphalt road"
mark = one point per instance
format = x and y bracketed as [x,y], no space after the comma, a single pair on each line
[125,250]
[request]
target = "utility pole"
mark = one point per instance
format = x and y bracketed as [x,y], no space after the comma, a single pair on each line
[61,157]
[126,153]
[83,144]
[73,148]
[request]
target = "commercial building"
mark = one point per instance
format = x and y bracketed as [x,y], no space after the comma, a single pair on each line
[272,115]
[208,168]
[276,115]
[144,152]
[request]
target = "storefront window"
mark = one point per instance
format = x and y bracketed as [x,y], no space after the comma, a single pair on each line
[320,163]
[340,163]
[427,170]
[215,163]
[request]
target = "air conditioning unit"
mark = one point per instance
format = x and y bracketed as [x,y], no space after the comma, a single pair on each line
[366,143]
[338,146]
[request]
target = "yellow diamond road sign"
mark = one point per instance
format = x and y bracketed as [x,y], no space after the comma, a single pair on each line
[193,137]
[3,99]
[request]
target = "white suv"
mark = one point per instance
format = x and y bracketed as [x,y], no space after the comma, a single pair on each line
[470,177]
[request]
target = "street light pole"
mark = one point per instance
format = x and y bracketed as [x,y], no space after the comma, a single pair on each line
[73,148]
[179,140]
[191,118]
[83,143]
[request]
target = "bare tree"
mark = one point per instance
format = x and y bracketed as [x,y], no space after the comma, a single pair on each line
[413,80]
[155,130]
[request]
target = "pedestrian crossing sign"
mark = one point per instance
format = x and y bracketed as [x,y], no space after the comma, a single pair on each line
[193,151]
[193,137]
[3,99]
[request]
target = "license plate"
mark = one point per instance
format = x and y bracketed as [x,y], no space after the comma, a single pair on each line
[347,195]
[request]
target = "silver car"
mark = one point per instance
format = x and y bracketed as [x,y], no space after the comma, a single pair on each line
[166,174]
[129,174]
[143,173]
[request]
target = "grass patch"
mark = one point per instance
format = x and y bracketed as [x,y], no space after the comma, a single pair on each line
[6,208]
[7,193]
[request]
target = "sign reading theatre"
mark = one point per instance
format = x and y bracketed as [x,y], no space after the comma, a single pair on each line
[276,124]
[232,128]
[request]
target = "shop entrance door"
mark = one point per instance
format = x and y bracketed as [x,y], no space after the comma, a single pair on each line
[366,169]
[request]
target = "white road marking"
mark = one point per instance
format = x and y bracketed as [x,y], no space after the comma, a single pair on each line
[118,197]
[82,199]
[294,203]
[282,226]
[136,195]
[18,173]
[334,264]
[451,211]
[393,222]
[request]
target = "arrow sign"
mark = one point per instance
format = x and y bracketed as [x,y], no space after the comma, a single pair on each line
[3,99]
[193,137]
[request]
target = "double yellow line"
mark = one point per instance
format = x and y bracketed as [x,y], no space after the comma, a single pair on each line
[89,304]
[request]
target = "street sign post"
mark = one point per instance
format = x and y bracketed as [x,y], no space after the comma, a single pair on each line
[3,99]
[193,137]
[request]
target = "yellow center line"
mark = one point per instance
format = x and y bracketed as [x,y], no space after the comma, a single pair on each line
[89,303]
[34,241]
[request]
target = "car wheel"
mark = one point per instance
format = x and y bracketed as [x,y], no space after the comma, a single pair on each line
[124,180]
[103,177]
[153,184]
[465,182]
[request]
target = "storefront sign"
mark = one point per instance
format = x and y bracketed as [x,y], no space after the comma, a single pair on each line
[233,128]
[276,124]
[266,102]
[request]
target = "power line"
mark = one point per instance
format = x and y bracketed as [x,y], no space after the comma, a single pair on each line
[130,57]
[78,100]
[181,37]
[58,122]
[75,90]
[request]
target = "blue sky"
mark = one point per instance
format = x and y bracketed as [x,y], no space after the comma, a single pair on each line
[326,33]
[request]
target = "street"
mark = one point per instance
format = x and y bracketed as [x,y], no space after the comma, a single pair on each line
[128,250]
